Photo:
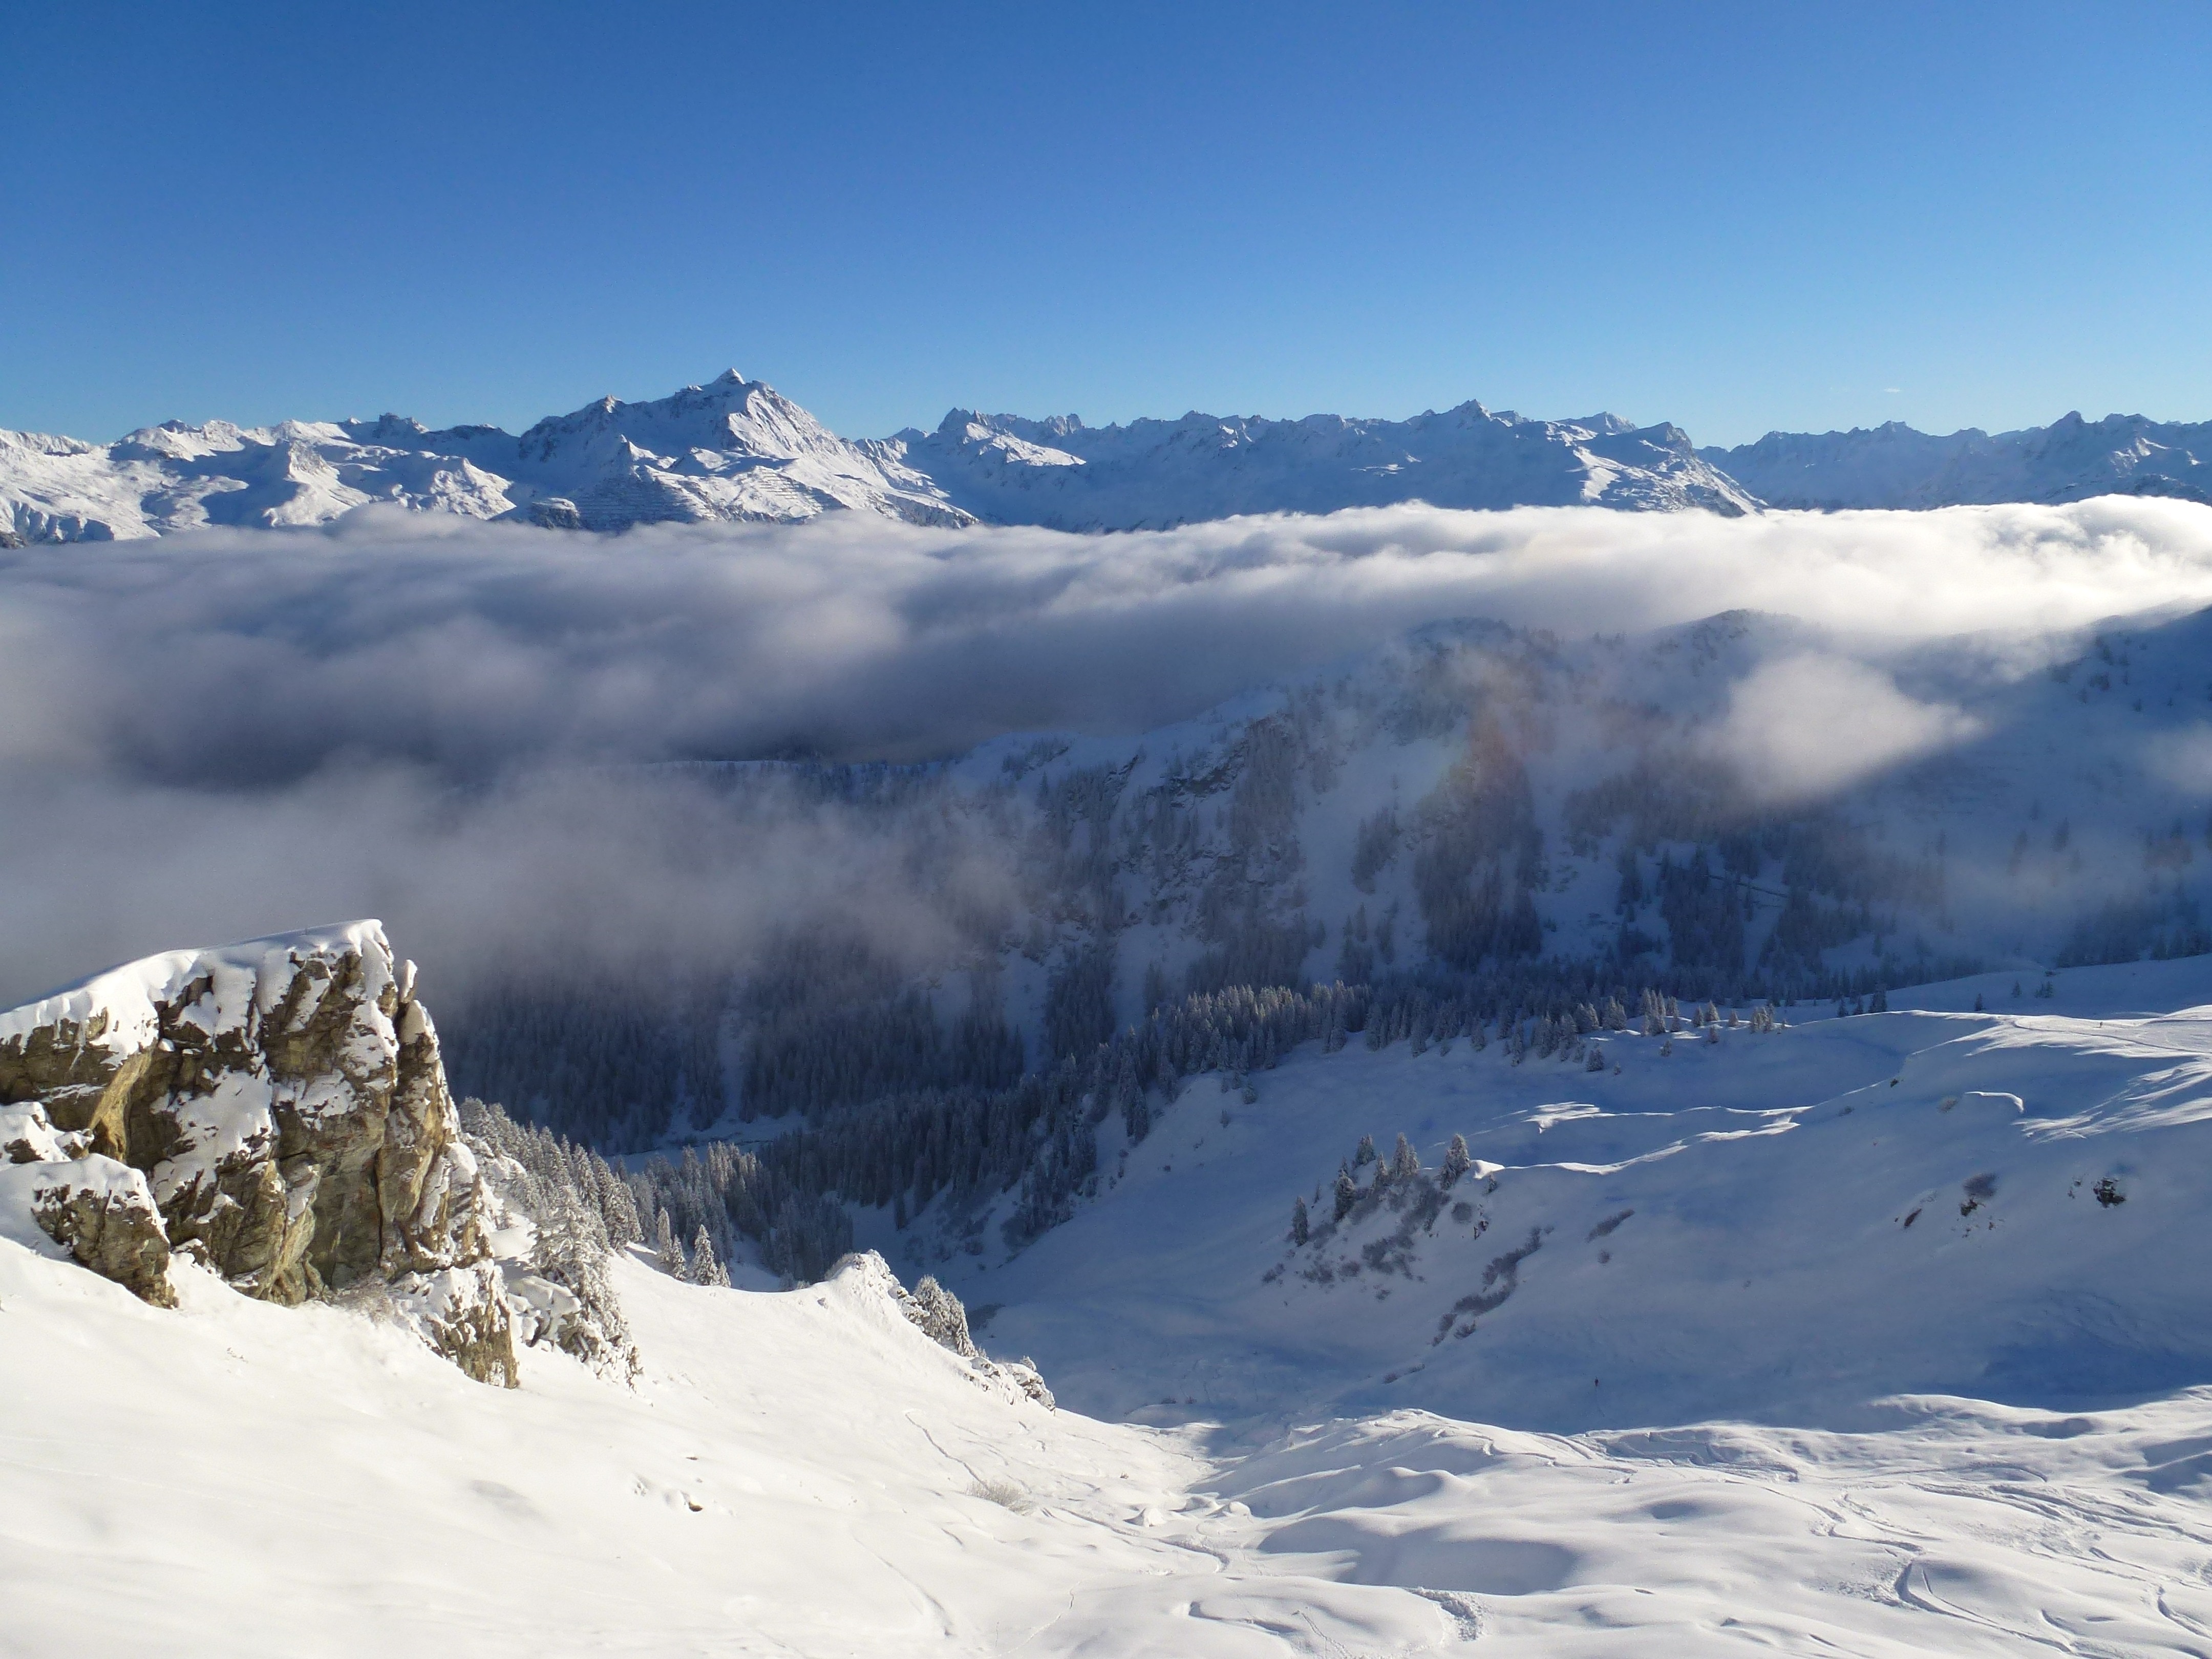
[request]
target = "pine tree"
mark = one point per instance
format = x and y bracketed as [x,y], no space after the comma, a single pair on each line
[1301,1228]
[705,1270]
[1457,1162]
[669,1253]
[1405,1162]
[1366,1154]
[1347,1191]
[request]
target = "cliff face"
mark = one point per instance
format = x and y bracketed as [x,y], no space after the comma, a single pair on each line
[283,1108]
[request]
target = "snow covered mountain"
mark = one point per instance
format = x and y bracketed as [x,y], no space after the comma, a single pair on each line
[1893,465]
[738,450]
[1154,474]
[734,449]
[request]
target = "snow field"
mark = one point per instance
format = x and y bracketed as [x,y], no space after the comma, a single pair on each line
[1780,1225]
[799,1472]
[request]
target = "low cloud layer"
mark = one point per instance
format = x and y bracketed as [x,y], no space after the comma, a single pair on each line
[215,734]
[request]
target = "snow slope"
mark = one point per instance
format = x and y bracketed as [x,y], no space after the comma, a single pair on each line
[1893,465]
[1154,474]
[804,1473]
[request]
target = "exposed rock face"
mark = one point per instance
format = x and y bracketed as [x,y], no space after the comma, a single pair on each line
[464,1314]
[104,1212]
[282,1104]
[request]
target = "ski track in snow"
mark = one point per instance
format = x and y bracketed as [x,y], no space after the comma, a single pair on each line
[796,1473]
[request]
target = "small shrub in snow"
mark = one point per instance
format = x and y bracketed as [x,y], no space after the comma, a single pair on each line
[1003,1493]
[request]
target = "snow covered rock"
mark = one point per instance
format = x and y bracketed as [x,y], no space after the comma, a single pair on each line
[102,1212]
[27,1135]
[281,1108]
[1023,1375]
[461,1312]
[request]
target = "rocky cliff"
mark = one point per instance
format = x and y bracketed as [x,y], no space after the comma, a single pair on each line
[278,1110]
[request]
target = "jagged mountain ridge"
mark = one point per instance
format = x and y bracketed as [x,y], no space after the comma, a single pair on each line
[1893,466]
[737,450]
[1154,474]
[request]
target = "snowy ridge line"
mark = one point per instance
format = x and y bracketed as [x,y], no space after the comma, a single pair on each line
[116,1008]
[736,450]
[1893,465]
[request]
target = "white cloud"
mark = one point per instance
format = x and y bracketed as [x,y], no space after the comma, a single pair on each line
[214,734]
[1805,725]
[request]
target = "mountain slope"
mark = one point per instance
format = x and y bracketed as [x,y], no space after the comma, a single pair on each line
[802,1472]
[1893,465]
[1154,474]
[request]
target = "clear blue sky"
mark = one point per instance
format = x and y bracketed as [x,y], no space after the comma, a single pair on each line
[1734,217]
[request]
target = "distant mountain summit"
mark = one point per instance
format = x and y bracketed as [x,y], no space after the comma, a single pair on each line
[731,450]
[1893,465]
[1154,474]
[738,450]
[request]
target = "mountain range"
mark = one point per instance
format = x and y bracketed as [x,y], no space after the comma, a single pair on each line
[738,450]
[1893,465]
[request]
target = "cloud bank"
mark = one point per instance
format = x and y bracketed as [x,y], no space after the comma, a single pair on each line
[229,731]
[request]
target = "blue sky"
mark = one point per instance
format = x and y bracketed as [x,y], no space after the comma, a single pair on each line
[1736,218]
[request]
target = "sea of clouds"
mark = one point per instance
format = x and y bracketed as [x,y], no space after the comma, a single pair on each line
[439,721]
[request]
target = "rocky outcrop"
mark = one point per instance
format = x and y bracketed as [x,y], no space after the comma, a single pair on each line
[103,1212]
[283,1107]
[464,1314]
